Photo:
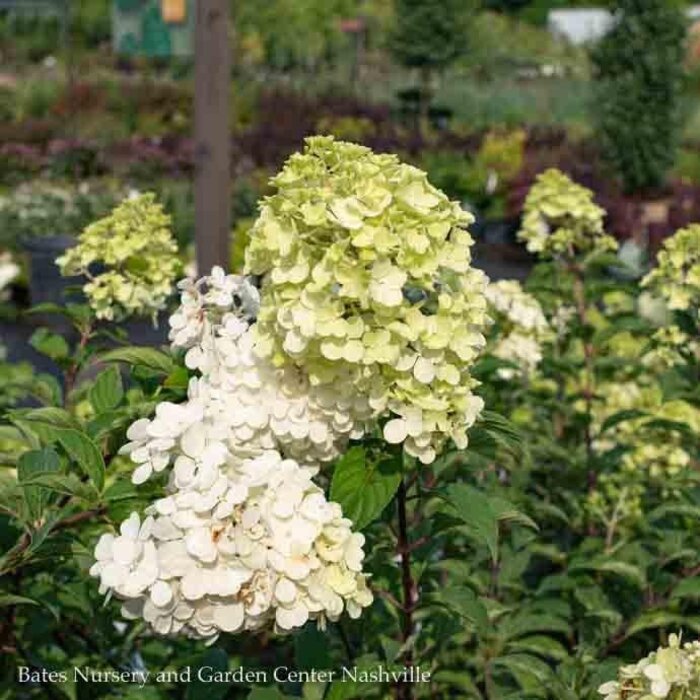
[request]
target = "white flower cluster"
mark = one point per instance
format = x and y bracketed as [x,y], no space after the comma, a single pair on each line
[669,673]
[243,538]
[9,270]
[253,546]
[522,327]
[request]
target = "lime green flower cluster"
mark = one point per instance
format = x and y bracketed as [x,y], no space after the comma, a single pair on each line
[649,452]
[654,451]
[676,278]
[129,257]
[560,218]
[368,288]
[670,347]
[669,673]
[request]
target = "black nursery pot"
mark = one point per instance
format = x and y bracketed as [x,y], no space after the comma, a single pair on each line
[46,284]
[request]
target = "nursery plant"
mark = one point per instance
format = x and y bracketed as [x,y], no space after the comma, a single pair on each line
[360,469]
[639,74]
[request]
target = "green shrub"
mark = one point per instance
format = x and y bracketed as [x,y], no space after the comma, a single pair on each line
[639,73]
[430,35]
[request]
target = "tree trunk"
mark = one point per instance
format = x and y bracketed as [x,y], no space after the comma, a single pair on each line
[212,79]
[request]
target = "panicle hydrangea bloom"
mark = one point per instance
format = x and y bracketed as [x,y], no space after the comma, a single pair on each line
[367,288]
[670,347]
[129,257]
[669,673]
[251,546]
[243,539]
[561,218]
[522,327]
[676,278]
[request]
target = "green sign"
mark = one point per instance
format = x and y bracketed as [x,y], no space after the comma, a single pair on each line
[156,28]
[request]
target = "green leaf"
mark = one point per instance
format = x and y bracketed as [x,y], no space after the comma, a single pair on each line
[216,660]
[474,509]
[32,464]
[464,602]
[505,510]
[68,484]
[523,666]
[107,391]
[50,344]
[364,488]
[542,645]
[12,599]
[48,390]
[522,624]
[497,423]
[49,415]
[345,689]
[311,649]
[146,357]
[689,588]
[653,619]
[85,452]
[621,417]
[179,378]
[612,566]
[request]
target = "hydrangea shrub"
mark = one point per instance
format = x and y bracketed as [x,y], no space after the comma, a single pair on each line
[344,333]
[239,489]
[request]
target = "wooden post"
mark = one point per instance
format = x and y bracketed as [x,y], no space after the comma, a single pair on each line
[212,80]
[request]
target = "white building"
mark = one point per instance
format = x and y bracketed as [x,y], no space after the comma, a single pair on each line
[580,26]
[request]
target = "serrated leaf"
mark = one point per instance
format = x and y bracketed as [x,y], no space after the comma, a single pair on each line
[68,484]
[611,566]
[50,415]
[523,624]
[525,665]
[362,487]
[464,602]
[505,510]
[32,464]
[107,391]
[84,451]
[540,644]
[474,509]
[653,619]
[145,357]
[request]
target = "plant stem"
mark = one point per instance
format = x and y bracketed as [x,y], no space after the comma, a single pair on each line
[71,373]
[15,554]
[408,586]
[588,351]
